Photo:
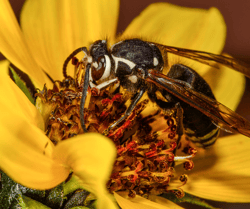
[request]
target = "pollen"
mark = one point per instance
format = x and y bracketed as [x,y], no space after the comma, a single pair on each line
[146,143]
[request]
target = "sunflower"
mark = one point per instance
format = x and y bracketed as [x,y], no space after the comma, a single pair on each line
[50,31]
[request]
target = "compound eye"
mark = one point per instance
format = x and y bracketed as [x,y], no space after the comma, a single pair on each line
[98,68]
[101,68]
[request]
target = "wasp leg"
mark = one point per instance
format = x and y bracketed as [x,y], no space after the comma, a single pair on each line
[103,84]
[179,121]
[84,94]
[85,90]
[128,111]
[180,127]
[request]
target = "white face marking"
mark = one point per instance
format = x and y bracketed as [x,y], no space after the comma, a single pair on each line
[95,65]
[107,68]
[119,59]
[155,61]
[133,78]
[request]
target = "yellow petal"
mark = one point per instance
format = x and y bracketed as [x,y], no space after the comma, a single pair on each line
[190,28]
[139,202]
[13,100]
[91,157]
[14,47]
[54,29]
[22,156]
[22,144]
[164,201]
[196,29]
[227,85]
[172,25]
[223,173]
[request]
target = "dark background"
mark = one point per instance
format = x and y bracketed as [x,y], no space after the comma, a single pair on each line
[237,17]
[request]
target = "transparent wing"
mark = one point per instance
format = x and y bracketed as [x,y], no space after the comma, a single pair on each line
[220,114]
[207,58]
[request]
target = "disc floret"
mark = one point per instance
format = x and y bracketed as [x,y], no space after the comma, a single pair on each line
[146,143]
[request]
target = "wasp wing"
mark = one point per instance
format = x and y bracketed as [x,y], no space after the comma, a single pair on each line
[207,58]
[220,114]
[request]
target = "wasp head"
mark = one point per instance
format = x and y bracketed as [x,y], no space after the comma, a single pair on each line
[100,62]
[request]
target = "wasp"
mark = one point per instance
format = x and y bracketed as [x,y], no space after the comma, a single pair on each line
[138,65]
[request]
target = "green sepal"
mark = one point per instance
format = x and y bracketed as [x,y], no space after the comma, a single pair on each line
[77,195]
[72,185]
[21,84]
[188,198]
[55,197]
[16,196]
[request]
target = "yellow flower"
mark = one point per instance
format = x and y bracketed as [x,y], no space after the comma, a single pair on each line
[51,30]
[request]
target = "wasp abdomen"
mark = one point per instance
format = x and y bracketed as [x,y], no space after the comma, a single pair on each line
[199,128]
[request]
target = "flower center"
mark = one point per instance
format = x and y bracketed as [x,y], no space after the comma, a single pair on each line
[147,141]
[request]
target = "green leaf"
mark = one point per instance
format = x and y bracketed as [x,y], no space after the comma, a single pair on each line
[11,193]
[21,84]
[196,201]
[21,203]
[188,199]
[32,204]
